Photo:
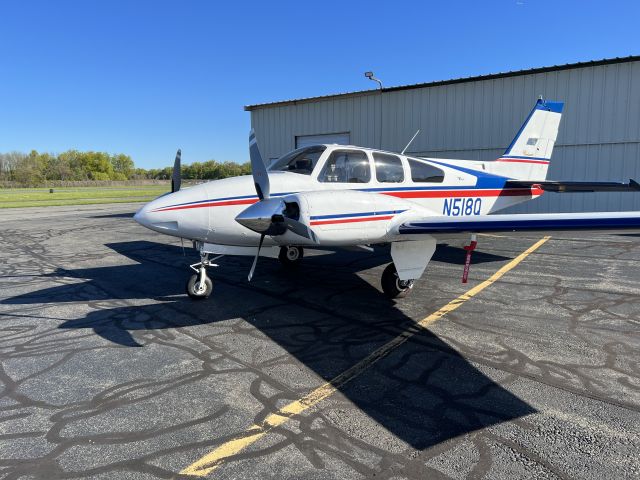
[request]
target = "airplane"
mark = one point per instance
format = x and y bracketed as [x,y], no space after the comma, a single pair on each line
[348,196]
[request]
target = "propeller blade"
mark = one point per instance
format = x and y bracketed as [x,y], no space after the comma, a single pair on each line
[176,176]
[258,168]
[300,228]
[255,260]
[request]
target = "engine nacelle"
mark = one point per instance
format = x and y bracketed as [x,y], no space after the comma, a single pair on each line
[343,217]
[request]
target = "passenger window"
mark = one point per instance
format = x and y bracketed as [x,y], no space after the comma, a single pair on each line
[424,173]
[346,166]
[388,168]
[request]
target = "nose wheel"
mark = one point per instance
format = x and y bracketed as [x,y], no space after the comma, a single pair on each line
[197,288]
[199,285]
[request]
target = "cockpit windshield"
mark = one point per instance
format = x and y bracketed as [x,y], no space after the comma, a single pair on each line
[302,160]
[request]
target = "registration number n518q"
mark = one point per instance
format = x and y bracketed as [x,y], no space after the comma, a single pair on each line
[458,207]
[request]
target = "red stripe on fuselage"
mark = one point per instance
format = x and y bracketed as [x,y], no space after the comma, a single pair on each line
[352,220]
[246,201]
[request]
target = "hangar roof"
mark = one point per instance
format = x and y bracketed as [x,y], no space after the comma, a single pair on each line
[515,73]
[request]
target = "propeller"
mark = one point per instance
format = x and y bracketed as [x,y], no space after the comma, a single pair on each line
[176,176]
[258,168]
[269,216]
[255,260]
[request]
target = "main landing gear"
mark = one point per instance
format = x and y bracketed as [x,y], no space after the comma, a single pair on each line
[199,285]
[392,286]
[291,256]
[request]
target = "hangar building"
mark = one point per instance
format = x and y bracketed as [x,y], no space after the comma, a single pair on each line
[476,118]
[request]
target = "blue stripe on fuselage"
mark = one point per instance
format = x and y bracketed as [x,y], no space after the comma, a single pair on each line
[520,225]
[363,214]
[483,179]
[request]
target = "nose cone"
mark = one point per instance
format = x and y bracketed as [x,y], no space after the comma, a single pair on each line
[180,214]
[155,216]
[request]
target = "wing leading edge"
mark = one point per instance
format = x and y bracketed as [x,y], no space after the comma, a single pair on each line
[523,222]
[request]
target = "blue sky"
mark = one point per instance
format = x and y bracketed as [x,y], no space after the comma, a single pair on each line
[146,77]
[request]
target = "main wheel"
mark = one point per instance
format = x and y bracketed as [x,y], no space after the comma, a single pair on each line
[392,286]
[197,291]
[291,256]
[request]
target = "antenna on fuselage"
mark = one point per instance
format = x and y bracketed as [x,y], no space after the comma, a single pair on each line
[410,142]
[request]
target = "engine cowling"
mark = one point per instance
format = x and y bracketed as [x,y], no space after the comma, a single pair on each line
[343,217]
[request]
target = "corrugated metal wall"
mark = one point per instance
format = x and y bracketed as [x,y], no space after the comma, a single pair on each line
[599,135]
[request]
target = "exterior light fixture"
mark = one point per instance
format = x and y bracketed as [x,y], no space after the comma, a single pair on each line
[370,76]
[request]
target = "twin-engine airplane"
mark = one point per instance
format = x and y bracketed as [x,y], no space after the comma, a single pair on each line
[346,196]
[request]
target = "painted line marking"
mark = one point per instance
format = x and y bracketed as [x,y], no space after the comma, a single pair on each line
[217,457]
[492,235]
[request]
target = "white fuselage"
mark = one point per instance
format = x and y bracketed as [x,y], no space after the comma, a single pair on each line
[357,213]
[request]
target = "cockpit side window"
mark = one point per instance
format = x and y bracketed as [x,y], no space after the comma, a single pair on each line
[388,168]
[302,160]
[346,166]
[425,173]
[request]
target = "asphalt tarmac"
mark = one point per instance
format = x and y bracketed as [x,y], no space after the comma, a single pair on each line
[109,370]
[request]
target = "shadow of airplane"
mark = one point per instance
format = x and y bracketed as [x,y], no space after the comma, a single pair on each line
[114,215]
[456,255]
[323,315]
[626,234]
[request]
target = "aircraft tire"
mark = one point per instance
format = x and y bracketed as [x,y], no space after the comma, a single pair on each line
[291,256]
[392,286]
[192,287]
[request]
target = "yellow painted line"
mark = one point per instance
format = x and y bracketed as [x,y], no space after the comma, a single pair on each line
[217,457]
[492,235]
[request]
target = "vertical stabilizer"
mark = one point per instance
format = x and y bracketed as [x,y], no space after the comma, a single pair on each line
[530,151]
[537,136]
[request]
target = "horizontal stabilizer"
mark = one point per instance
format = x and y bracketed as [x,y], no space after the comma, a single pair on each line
[575,187]
[523,222]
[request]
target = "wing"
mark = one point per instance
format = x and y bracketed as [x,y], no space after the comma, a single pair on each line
[522,222]
[572,187]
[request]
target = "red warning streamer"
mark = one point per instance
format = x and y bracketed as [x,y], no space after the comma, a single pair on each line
[467,262]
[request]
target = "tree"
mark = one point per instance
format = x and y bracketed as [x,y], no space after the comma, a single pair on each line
[123,165]
[98,164]
[35,169]
[9,163]
[57,168]
[30,170]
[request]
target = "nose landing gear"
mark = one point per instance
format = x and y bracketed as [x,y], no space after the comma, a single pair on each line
[199,285]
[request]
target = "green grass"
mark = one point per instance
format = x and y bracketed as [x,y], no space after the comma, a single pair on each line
[40,197]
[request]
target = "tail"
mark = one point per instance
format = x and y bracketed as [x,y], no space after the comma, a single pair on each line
[530,151]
